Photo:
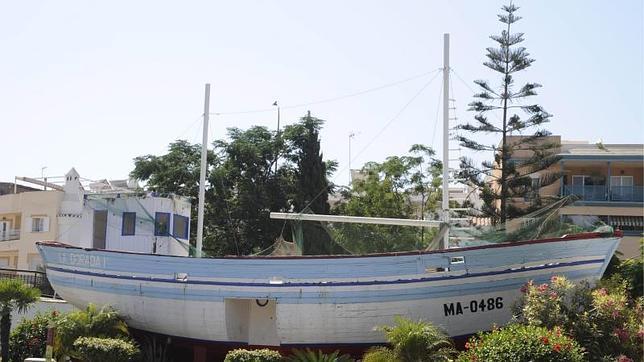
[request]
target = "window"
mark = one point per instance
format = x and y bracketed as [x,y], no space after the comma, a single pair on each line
[621,188]
[535,185]
[39,224]
[180,226]
[162,224]
[129,223]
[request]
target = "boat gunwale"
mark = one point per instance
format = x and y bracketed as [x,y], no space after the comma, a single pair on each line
[587,235]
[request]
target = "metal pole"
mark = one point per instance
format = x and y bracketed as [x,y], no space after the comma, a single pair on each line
[446,137]
[202,174]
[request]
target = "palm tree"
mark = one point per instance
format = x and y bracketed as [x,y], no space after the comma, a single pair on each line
[14,295]
[91,322]
[410,342]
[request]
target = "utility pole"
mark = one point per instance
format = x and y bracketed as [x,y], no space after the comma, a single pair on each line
[445,206]
[202,174]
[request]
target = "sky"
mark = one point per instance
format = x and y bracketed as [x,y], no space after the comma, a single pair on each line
[92,85]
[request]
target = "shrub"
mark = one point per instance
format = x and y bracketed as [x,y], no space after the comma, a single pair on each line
[256,355]
[91,322]
[313,356]
[29,338]
[412,341]
[605,322]
[93,349]
[520,343]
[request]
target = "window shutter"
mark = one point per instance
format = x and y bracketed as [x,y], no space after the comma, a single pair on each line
[45,223]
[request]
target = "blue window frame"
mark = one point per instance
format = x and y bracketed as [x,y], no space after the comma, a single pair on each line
[162,224]
[180,226]
[128,226]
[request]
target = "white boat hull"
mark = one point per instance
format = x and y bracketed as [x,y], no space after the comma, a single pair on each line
[317,300]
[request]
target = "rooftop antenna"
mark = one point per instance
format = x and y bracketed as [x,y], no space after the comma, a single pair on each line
[202,173]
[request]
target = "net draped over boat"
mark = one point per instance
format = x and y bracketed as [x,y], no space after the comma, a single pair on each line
[328,238]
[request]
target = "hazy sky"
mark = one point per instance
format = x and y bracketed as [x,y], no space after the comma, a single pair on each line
[95,84]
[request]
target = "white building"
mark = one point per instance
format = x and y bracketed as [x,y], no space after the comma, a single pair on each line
[103,217]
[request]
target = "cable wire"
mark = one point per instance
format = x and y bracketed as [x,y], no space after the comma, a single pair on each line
[332,99]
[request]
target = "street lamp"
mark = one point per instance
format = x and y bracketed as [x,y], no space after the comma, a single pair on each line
[275,104]
[351,136]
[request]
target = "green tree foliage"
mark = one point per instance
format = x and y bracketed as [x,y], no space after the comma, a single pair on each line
[388,189]
[516,160]
[243,185]
[310,192]
[14,295]
[521,343]
[93,349]
[629,271]
[412,341]
[309,355]
[255,355]
[605,322]
[29,337]
[91,322]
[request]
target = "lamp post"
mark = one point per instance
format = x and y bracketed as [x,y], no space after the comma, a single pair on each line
[275,104]
[351,136]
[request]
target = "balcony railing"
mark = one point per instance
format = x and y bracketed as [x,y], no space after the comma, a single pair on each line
[11,234]
[604,193]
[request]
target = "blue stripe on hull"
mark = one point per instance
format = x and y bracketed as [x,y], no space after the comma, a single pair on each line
[325,294]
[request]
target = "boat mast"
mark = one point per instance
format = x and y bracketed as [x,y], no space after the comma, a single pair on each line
[202,173]
[445,205]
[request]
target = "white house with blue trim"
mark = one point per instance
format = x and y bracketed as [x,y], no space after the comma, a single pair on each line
[103,215]
[123,219]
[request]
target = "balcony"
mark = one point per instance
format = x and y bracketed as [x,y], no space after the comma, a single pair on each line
[601,193]
[9,234]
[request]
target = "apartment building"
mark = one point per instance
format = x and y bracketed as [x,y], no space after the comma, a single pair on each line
[607,181]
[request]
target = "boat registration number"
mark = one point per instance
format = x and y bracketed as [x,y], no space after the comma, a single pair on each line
[474,306]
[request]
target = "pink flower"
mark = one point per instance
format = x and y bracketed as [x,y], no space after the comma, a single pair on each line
[556,347]
[553,295]
[623,358]
[602,291]
[615,314]
[545,340]
[622,334]
[524,289]
[554,278]
[543,287]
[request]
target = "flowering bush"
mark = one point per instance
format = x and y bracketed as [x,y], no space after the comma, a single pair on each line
[94,349]
[29,338]
[605,322]
[256,355]
[519,343]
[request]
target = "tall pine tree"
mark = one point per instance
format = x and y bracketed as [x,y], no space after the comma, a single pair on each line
[520,163]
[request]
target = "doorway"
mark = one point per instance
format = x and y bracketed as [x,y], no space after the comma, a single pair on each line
[253,321]
[100,229]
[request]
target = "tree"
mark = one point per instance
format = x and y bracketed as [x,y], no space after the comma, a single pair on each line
[391,189]
[412,341]
[312,187]
[511,176]
[14,295]
[243,186]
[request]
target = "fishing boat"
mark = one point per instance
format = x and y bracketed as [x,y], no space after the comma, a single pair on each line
[327,300]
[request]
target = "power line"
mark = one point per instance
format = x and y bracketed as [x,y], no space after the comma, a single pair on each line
[395,117]
[332,99]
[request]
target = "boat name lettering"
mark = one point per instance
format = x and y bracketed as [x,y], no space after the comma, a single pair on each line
[474,306]
[82,260]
